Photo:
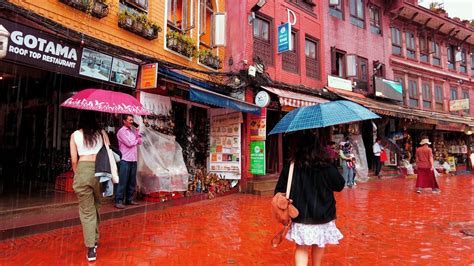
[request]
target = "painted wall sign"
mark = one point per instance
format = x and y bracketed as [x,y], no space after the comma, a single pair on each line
[33,47]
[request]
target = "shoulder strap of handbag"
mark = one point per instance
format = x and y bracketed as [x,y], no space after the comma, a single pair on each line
[290,179]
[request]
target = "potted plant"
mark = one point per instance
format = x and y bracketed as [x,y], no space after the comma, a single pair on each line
[100,8]
[138,23]
[172,39]
[126,19]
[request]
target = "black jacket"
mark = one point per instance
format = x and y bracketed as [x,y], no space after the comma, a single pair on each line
[312,192]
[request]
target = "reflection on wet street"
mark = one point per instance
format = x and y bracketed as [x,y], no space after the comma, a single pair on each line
[384,222]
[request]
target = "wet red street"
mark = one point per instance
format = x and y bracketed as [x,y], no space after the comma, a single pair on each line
[384,222]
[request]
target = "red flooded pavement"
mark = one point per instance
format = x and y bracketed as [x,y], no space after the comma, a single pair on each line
[384,223]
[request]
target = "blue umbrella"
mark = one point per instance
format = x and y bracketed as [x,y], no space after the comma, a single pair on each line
[323,115]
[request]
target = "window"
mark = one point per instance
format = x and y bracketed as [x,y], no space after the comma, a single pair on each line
[305,4]
[290,58]
[436,53]
[312,58]
[396,41]
[465,95]
[262,40]
[363,67]
[379,69]
[261,29]
[463,63]
[357,13]
[453,94]
[179,15]
[140,4]
[375,25]
[411,47]
[439,97]
[205,26]
[472,64]
[338,62]
[424,49]
[451,59]
[426,94]
[412,93]
[337,10]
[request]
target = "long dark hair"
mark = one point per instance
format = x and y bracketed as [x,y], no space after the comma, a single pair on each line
[306,150]
[90,128]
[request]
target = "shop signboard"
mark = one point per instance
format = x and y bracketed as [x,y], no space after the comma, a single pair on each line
[95,65]
[449,126]
[124,73]
[284,38]
[339,83]
[149,76]
[258,125]
[388,89]
[257,157]
[461,104]
[225,141]
[22,44]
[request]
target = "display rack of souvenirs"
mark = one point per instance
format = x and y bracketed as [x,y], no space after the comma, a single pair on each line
[457,147]
[440,150]
[406,145]
[210,183]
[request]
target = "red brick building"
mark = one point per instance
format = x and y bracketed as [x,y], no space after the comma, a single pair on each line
[252,41]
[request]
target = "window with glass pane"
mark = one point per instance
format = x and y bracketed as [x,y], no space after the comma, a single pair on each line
[426,93]
[374,14]
[472,64]
[337,10]
[357,13]
[178,14]
[396,41]
[465,95]
[413,93]
[453,94]
[312,58]
[463,63]
[410,42]
[436,53]
[451,59]
[439,97]
[260,29]
[205,27]
[363,69]
[424,51]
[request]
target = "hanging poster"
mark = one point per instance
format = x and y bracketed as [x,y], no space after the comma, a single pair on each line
[95,65]
[257,157]
[258,125]
[225,151]
[124,73]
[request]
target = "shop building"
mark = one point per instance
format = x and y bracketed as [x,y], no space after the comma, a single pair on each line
[179,39]
[278,80]
[418,71]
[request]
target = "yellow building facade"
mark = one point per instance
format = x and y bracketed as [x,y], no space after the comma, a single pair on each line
[189,24]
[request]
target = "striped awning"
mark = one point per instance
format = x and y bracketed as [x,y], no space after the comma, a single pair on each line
[294,99]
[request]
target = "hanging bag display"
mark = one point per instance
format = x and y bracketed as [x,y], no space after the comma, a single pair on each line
[282,209]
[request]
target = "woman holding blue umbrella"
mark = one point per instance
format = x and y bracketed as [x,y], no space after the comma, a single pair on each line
[315,179]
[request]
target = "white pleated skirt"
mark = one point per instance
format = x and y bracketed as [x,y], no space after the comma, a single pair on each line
[314,234]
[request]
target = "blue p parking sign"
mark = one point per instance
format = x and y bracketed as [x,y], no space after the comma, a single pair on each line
[284,38]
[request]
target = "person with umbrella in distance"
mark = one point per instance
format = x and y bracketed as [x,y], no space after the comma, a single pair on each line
[315,179]
[129,138]
[425,170]
[84,145]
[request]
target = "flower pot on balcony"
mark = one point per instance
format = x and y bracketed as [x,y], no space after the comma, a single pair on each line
[137,26]
[100,10]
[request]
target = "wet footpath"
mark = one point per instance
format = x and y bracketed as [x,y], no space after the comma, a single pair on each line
[384,222]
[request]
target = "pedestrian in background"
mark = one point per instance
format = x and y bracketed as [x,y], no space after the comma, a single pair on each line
[346,155]
[128,139]
[424,165]
[377,149]
[314,181]
[84,145]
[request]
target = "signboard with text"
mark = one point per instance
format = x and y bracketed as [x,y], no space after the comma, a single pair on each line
[258,125]
[149,76]
[26,45]
[257,157]
[456,105]
[284,38]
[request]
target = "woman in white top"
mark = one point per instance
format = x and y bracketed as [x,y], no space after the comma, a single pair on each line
[84,145]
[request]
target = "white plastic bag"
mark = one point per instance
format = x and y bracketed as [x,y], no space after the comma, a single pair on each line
[436,174]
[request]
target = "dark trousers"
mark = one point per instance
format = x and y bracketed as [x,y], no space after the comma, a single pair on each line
[378,165]
[127,181]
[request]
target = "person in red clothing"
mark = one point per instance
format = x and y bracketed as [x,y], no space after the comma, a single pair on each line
[424,165]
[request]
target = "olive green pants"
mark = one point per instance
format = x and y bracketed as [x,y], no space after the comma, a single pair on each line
[87,189]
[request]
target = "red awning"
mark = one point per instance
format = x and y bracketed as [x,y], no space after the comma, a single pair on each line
[295,99]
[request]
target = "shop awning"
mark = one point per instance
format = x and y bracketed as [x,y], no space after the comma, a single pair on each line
[294,99]
[206,96]
[443,121]
[388,89]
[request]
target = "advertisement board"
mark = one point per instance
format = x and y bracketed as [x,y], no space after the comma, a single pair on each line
[257,157]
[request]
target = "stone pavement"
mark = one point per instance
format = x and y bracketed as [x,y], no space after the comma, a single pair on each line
[384,222]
